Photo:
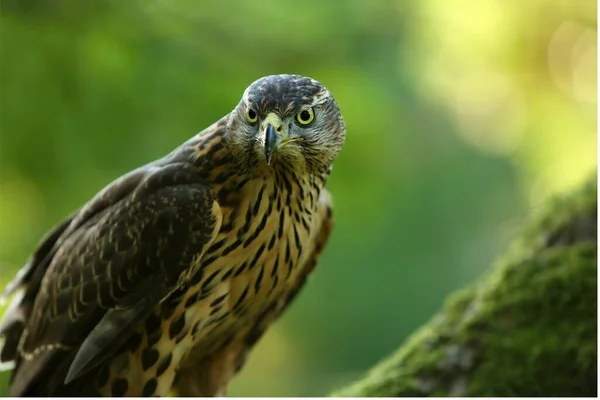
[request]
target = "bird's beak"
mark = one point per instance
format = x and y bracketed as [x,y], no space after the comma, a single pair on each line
[274,135]
[272,142]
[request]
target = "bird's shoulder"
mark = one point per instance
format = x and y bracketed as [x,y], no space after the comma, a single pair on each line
[143,217]
[129,187]
[189,163]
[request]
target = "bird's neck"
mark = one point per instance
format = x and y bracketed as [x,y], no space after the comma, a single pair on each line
[229,172]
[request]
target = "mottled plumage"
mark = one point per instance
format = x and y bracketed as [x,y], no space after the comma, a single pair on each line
[164,281]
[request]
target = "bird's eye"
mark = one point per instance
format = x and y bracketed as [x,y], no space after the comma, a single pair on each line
[251,116]
[305,117]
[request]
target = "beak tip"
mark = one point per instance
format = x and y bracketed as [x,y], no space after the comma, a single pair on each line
[271,142]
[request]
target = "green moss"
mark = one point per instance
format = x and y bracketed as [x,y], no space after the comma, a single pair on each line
[528,329]
[4,378]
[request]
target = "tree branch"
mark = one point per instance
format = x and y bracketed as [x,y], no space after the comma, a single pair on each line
[529,328]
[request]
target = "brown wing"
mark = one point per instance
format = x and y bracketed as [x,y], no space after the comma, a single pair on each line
[210,377]
[119,256]
[27,283]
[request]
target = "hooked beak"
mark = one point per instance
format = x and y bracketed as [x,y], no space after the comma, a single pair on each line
[275,136]
[272,142]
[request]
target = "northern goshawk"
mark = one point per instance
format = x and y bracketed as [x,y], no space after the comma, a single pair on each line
[163,282]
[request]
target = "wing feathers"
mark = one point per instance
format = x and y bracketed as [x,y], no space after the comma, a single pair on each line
[107,334]
[114,262]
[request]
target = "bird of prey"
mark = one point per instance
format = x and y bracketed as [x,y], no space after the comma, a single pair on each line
[163,282]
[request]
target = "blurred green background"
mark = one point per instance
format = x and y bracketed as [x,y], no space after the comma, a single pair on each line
[461,117]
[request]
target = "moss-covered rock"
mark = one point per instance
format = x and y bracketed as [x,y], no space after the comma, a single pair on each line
[529,328]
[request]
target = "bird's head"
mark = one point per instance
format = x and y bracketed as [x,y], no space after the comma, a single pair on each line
[287,118]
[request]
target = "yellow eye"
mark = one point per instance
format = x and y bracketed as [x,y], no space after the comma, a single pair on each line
[251,116]
[305,117]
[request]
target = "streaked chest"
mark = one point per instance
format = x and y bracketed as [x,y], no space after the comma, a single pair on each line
[265,237]
[263,241]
